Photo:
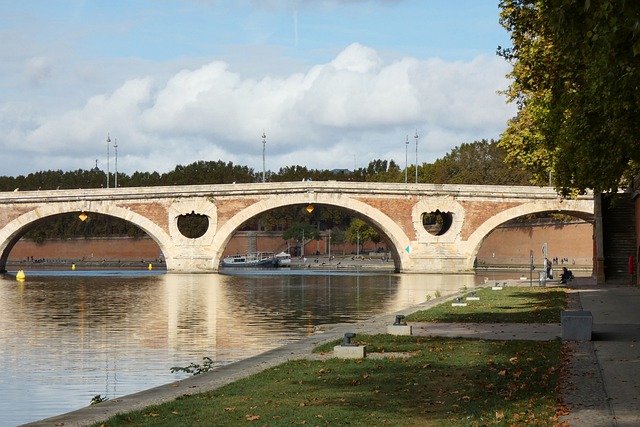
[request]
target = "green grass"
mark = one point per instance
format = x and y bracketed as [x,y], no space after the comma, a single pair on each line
[438,382]
[509,305]
[424,381]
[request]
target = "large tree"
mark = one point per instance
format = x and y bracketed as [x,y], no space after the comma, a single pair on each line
[480,163]
[360,232]
[576,82]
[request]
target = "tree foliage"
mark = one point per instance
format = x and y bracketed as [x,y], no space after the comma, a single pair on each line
[383,171]
[68,225]
[360,232]
[480,162]
[209,173]
[576,82]
[301,230]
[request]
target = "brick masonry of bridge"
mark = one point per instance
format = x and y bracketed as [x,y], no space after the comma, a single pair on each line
[395,210]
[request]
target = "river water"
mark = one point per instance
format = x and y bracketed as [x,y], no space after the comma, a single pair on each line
[66,337]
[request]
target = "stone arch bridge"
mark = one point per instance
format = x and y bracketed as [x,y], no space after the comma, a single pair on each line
[468,212]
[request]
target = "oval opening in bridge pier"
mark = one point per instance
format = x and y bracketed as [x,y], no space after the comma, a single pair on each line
[437,223]
[193,225]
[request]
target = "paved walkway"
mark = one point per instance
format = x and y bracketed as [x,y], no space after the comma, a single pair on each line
[603,380]
[604,384]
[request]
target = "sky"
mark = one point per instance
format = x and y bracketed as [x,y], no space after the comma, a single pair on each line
[332,84]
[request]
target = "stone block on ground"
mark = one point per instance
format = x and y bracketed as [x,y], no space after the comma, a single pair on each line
[576,325]
[349,351]
[399,330]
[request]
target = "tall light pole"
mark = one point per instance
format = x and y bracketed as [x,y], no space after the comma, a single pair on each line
[115,147]
[108,142]
[264,148]
[406,158]
[416,137]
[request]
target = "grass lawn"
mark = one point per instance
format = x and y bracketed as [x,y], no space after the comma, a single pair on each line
[423,381]
[510,305]
[434,382]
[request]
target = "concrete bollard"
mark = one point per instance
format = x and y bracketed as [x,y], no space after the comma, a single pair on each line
[349,350]
[399,327]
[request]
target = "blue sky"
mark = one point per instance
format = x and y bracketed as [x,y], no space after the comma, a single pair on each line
[332,83]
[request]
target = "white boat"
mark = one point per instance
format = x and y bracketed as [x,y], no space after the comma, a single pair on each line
[283,259]
[252,259]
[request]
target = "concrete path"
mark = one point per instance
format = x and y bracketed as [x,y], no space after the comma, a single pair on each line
[492,331]
[602,383]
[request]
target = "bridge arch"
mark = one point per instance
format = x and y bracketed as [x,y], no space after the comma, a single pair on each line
[11,233]
[381,222]
[579,208]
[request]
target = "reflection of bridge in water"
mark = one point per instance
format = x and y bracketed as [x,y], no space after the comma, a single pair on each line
[466,214]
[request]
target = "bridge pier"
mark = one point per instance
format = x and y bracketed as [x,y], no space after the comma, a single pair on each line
[191,265]
[437,265]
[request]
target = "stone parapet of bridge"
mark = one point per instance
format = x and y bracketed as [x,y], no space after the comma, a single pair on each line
[467,214]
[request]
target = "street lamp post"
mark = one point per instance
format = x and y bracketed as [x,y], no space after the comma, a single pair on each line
[406,158]
[115,147]
[416,137]
[264,148]
[108,142]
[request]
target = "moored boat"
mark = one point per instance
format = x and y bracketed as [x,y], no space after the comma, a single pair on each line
[252,259]
[283,259]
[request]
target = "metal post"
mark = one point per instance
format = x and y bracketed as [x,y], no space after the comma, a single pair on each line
[406,158]
[416,137]
[264,148]
[531,267]
[108,142]
[115,147]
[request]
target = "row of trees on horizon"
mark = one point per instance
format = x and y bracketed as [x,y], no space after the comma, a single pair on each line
[480,162]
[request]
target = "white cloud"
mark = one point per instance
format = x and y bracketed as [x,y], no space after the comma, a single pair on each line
[353,106]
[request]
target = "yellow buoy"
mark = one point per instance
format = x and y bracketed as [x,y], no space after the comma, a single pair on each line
[20,275]
[73,266]
[150,266]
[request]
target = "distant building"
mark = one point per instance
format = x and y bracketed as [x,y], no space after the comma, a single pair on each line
[340,171]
